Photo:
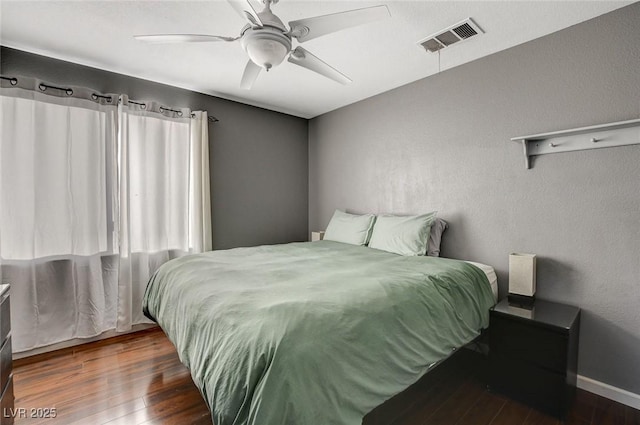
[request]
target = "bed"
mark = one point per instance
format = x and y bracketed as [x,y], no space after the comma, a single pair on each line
[314,332]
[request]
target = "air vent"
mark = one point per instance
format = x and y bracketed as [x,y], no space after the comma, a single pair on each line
[448,36]
[465,31]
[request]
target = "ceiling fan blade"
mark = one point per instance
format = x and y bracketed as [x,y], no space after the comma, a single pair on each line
[310,28]
[182,38]
[303,58]
[246,10]
[251,72]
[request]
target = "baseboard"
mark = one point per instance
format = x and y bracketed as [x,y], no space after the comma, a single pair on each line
[608,391]
[80,341]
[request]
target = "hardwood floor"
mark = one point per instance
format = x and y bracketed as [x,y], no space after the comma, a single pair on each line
[138,379]
[132,379]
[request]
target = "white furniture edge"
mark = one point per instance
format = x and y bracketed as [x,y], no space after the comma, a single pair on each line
[609,391]
[621,133]
[317,235]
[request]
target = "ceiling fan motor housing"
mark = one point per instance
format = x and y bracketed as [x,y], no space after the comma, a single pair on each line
[267,47]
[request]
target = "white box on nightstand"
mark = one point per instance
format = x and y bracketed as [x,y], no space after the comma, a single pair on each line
[522,278]
[317,236]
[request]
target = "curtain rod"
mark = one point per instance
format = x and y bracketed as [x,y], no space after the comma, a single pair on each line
[11,80]
[95,96]
[210,118]
[44,87]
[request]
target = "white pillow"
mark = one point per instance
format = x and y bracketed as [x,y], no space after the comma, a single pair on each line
[349,228]
[404,235]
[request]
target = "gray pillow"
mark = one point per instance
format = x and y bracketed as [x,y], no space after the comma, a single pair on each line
[435,236]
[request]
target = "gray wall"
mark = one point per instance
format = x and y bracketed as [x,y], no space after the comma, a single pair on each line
[259,158]
[442,143]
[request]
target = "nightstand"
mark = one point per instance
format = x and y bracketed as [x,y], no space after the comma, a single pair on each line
[533,354]
[6,377]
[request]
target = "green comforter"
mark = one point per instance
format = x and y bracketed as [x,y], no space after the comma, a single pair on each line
[313,333]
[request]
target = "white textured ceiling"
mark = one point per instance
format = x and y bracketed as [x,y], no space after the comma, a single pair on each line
[378,56]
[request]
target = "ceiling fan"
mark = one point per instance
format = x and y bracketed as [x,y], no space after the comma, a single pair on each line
[267,40]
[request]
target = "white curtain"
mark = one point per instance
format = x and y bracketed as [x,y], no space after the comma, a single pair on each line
[200,233]
[56,232]
[93,199]
[164,195]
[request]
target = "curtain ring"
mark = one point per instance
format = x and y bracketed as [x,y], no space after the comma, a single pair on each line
[94,96]
[179,113]
[42,87]
[12,80]
[69,92]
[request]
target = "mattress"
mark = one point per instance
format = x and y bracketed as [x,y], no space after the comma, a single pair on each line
[315,332]
[491,277]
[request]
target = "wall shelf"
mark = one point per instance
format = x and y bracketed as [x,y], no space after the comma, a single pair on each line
[620,133]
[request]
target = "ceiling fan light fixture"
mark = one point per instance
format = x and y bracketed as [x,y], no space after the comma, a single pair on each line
[266,48]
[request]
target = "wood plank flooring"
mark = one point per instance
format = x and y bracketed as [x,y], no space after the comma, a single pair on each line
[137,379]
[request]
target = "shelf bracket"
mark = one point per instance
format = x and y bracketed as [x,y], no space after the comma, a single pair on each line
[527,158]
[622,133]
